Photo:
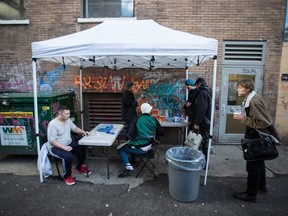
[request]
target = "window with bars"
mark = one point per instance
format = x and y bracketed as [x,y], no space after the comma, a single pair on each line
[108,8]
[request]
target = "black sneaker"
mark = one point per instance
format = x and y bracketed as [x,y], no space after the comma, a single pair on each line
[263,190]
[245,197]
[125,173]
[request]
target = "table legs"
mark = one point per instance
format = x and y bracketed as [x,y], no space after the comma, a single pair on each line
[106,158]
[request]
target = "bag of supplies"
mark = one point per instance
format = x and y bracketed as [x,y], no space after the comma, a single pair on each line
[193,140]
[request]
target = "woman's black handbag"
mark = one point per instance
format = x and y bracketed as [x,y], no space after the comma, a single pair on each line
[262,148]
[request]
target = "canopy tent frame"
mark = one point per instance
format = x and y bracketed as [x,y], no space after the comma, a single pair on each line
[139,44]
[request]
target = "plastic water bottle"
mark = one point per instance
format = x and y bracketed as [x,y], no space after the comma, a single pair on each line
[177,118]
[182,119]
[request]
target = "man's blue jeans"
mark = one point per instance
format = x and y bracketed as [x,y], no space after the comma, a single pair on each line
[129,149]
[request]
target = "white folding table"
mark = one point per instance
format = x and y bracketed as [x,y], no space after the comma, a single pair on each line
[102,139]
[180,125]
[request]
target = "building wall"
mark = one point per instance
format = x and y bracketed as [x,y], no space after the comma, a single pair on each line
[282,104]
[220,19]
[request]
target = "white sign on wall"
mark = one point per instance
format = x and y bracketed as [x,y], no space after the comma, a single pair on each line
[13,135]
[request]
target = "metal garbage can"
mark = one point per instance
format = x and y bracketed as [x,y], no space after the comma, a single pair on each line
[184,166]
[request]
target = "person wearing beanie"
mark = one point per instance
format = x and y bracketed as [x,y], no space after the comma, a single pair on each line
[200,112]
[190,86]
[141,130]
[189,82]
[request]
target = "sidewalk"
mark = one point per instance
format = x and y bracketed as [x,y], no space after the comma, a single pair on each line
[21,192]
[226,161]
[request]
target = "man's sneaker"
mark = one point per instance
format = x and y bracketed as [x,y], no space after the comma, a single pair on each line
[83,170]
[125,173]
[69,180]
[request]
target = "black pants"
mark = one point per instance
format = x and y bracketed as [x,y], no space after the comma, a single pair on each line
[127,126]
[256,176]
[78,150]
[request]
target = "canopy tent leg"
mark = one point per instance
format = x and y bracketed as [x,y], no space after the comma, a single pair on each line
[81,100]
[187,92]
[36,120]
[212,117]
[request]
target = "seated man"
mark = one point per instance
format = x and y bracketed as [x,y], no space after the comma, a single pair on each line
[62,145]
[141,130]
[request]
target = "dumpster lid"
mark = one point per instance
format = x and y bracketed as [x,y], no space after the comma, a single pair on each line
[28,97]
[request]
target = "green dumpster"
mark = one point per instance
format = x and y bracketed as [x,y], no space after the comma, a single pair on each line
[17,127]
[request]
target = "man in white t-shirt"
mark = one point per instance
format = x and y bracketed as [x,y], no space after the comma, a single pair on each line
[62,145]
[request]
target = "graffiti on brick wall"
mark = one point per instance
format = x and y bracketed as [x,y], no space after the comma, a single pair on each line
[101,83]
[285,104]
[110,83]
[16,77]
[50,78]
[284,87]
[163,95]
[166,96]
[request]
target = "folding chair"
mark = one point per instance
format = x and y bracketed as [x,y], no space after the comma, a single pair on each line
[146,158]
[55,158]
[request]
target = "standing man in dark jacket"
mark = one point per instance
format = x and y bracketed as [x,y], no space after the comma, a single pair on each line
[201,112]
[129,104]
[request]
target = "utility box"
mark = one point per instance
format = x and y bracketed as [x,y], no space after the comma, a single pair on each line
[17,119]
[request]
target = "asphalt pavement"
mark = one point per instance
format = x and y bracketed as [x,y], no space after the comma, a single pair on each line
[22,193]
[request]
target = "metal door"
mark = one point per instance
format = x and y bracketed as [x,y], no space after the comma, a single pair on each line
[232,131]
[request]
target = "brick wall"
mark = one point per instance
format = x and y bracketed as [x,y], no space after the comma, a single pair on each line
[282,104]
[220,19]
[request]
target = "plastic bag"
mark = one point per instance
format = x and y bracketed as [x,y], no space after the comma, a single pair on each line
[185,158]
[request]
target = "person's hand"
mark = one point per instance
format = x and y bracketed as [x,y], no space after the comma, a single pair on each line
[85,133]
[237,116]
[68,148]
[196,127]
[188,104]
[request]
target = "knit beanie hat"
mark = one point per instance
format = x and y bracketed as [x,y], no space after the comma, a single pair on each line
[146,108]
[129,85]
[189,82]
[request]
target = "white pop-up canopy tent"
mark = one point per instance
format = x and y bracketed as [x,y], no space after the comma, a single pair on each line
[120,44]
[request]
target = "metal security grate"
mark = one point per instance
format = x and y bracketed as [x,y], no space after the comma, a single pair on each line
[101,108]
[252,52]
